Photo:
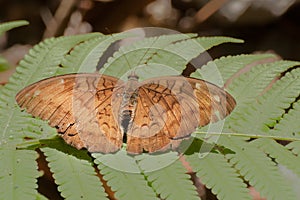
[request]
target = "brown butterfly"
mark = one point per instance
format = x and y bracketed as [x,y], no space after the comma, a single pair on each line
[100,112]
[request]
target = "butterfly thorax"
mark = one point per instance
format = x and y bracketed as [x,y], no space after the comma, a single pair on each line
[128,105]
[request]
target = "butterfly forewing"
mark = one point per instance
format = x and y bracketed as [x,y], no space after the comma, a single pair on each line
[79,106]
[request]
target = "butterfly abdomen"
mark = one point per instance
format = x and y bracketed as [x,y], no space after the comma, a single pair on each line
[127,109]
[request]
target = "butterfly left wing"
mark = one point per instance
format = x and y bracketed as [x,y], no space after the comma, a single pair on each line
[79,106]
[170,108]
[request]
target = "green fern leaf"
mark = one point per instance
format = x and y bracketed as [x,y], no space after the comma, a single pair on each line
[156,53]
[249,85]
[124,176]
[167,179]
[258,169]
[85,56]
[217,174]
[18,174]
[172,59]
[209,42]
[177,55]
[220,70]
[269,108]
[76,178]
[289,125]
[280,153]
[10,25]
[138,54]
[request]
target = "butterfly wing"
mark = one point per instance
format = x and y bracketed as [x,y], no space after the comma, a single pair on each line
[170,108]
[79,106]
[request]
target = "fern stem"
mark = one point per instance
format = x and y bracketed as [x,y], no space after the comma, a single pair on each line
[199,134]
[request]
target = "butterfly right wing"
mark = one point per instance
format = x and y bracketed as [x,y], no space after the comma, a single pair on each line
[79,106]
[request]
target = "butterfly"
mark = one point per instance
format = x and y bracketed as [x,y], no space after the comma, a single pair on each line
[100,112]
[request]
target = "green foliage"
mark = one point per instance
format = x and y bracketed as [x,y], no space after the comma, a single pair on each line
[167,177]
[267,108]
[18,174]
[4,65]
[72,178]
[127,185]
[217,174]
[10,25]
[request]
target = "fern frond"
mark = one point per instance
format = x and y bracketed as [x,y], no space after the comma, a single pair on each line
[138,53]
[169,51]
[178,54]
[289,125]
[85,56]
[10,25]
[243,89]
[167,176]
[124,176]
[280,153]
[76,178]
[258,169]
[18,174]
[217,174]
[209,42]
[262,115]
[220,70]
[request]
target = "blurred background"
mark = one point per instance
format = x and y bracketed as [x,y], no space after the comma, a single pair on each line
[265,25]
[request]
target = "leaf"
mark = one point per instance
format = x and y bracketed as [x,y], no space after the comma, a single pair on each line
[18,174]
[85,56]
[123,176]
[280,153]
[76,178]
[167,176]
[222,69]
[170,53]
[265,113]
[217,174]
[10,25]
[258,169]
[243,89]
[289,125]
[137,54]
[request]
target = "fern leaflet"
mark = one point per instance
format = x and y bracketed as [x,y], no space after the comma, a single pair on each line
[72,175]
